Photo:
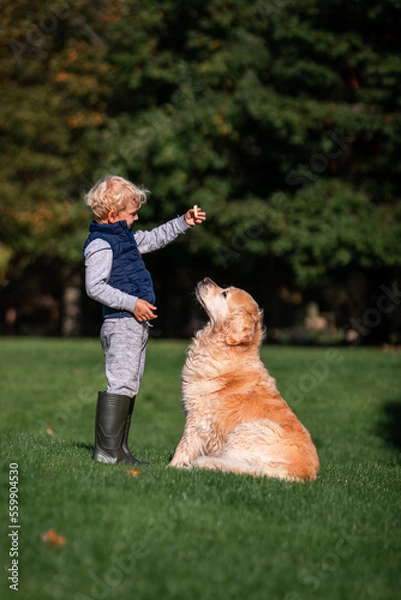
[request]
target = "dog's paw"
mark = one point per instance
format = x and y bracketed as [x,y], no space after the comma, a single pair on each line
[178,464]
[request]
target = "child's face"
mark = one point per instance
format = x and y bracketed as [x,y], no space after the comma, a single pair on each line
[128,214]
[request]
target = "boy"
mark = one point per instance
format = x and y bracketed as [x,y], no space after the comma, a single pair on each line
[116,276]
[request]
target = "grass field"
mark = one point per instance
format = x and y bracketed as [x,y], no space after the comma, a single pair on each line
[168,534]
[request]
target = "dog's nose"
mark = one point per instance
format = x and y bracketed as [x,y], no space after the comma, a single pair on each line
[206,280]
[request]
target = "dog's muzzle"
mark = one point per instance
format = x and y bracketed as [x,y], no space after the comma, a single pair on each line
[202,288]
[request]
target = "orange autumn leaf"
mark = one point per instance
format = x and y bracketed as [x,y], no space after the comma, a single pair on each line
[133,472]
[51,538]
[62,76]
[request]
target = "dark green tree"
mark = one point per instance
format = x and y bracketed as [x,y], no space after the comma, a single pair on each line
[281,119]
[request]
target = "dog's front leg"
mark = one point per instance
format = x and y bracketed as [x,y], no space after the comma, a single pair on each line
[191,446]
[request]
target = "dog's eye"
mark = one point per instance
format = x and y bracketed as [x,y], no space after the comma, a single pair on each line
[225,293]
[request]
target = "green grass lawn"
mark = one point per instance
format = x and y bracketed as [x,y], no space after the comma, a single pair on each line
[169,534]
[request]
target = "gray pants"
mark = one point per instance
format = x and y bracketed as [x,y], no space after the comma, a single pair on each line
[124,345]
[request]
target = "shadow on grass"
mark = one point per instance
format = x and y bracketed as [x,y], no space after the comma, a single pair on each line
[389,426]
[81,445]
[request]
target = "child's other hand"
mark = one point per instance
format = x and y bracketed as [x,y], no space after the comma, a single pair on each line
[192,219]
[143,311]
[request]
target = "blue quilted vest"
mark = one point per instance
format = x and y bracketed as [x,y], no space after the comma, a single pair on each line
[128,271]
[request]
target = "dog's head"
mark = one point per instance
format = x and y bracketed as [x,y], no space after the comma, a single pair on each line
[232,311]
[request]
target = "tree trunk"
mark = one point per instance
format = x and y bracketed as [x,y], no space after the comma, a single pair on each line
[71,324]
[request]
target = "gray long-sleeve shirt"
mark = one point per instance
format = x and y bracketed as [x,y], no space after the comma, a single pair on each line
[99,259]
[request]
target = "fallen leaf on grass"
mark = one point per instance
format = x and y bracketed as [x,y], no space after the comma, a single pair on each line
[49,430]
[51,538]
[133,472]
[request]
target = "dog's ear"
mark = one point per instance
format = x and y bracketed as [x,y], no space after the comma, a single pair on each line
[240,328]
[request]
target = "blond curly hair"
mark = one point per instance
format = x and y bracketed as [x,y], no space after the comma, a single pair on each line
[113,193]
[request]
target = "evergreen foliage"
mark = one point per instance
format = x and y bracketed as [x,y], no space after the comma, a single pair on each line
[281,119]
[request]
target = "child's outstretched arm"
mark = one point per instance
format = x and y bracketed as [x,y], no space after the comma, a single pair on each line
[149,241]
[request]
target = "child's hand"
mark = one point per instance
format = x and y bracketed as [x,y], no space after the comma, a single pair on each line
[194,216]
[143,311]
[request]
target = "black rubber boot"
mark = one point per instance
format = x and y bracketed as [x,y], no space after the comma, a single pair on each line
[112,415]
[125,446]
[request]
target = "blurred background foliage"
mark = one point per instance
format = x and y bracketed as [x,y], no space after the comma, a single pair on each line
[281,119]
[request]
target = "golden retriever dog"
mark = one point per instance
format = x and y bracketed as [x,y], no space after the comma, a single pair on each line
[236,419]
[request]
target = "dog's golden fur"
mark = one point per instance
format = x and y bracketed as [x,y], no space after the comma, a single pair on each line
[236,419]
